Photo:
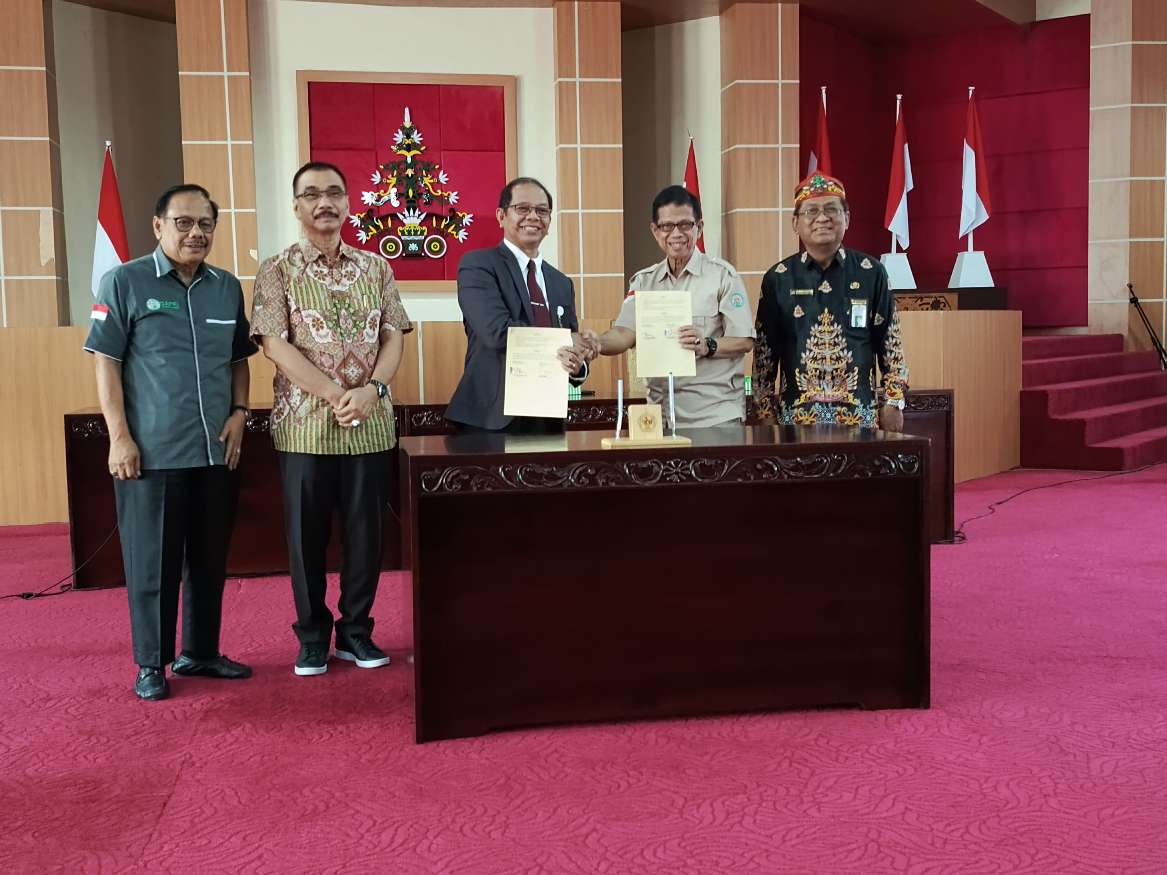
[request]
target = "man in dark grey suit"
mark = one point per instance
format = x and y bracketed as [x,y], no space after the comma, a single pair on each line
[511,285]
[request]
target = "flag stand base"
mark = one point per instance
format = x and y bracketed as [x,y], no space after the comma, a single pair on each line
[899,272]
[970,271]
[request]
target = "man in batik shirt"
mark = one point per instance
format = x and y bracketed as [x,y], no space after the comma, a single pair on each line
[825,318]
[330,318]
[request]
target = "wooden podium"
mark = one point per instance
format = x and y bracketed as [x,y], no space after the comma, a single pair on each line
[761,568]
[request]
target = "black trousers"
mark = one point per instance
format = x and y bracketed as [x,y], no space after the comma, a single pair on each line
[314,487]
[175,525]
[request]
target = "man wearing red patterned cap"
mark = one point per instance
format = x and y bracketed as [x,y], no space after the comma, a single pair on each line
[825,319]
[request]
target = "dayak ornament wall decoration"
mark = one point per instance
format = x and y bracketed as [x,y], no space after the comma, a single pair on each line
[423,155]
[427,210]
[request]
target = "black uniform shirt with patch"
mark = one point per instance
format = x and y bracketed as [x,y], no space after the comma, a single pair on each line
[176,346]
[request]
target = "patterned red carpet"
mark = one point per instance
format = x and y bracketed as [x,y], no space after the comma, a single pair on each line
[1045,750]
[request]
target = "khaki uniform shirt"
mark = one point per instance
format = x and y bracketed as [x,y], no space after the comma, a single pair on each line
[333,313]
[721,308]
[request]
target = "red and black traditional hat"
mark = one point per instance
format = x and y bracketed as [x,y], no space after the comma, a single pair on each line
[818,185]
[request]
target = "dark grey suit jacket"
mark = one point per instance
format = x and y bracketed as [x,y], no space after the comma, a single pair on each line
[493,296]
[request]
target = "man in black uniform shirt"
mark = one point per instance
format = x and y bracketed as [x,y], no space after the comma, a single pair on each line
[825,318]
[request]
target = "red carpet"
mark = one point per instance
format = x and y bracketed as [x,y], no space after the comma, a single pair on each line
[1045,751]
[1086,404]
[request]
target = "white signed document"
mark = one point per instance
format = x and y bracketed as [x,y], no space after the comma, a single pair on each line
[536,383]
[659,316]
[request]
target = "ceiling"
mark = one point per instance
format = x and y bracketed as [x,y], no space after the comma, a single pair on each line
[879,20]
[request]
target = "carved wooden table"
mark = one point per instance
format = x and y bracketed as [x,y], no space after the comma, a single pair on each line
[761,568]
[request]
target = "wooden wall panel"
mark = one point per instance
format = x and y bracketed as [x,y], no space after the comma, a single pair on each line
[1128,170]
[751,31]
[444,356]
[589,111]
[751,177]
[598,56]
[405,386]
[977,354]
[48,376]
[24,94]
[200,38]
[601,179]
[31,293]
[759,134]
[215,96]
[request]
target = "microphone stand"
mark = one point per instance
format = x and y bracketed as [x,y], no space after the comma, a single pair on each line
[1158,344]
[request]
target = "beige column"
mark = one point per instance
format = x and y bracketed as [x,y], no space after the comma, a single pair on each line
[759,135]
[214,76]
[1128,165]
[33,286]
[590,154]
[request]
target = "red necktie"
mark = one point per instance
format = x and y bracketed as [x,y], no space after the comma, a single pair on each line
[538,302]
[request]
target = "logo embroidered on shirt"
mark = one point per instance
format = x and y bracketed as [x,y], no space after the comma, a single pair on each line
[825,287]
[781,268]
[153,305]
[855,284]
[737,300]
[865,264]
[798,311]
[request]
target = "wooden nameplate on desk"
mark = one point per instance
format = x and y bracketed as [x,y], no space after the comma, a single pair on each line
[626,443]
[645,430]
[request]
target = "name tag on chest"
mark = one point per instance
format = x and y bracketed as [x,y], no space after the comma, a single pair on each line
[858,313]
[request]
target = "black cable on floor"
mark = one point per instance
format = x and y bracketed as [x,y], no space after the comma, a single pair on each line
[68,586]
[960,537]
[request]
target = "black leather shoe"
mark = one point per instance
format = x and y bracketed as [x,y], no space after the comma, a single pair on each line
[219,667]
[151,684]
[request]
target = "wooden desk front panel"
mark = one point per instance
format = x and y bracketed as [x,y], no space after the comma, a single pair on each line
[774,600]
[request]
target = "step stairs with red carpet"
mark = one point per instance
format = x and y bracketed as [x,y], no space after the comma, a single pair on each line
[1086,404]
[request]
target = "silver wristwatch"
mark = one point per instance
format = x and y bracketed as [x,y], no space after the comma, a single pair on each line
[898,403]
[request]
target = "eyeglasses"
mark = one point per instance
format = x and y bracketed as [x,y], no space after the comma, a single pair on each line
[812,213]
[313,195]
[684,227]
[524,210]
[186,223]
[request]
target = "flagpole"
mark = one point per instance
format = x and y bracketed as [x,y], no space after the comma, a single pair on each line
[971,89]
[899,98]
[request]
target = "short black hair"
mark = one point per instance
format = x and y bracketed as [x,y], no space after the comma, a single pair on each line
[508,191]
[317,165]
[676,196]
[163,202]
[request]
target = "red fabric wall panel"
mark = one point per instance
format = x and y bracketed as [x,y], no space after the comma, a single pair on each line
[340,115]
[473,118]
[478,193]
[463,127]
[1033,99]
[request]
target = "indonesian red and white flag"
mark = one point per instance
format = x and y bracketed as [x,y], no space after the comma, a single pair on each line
[111,247]
[691,184]
[895,217]
[974,181]
[820,153]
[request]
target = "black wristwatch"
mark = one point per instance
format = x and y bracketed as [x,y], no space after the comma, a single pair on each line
[710,347]
[235,407]
[382,389]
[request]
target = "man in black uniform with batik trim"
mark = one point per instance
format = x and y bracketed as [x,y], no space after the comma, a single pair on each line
[826,317]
